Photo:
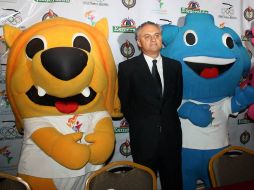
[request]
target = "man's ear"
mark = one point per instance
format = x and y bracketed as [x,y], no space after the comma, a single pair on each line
[139,44]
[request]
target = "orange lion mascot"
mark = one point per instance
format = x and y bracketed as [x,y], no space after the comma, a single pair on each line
[62,86]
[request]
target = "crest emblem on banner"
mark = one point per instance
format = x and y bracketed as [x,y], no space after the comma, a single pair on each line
[125,148]
[249,14]
[127,49]
[129,3]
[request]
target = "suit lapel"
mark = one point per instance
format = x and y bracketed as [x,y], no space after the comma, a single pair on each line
[144,67]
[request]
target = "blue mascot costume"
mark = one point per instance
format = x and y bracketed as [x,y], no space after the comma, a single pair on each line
[213,63]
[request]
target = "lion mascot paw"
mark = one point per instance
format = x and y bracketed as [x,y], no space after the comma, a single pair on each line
[61,82]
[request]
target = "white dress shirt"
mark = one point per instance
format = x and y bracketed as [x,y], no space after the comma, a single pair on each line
[149,61]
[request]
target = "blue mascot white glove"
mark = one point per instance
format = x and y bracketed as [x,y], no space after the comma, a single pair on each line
[243,98]
[198,114]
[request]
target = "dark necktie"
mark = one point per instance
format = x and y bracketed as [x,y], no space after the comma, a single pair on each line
[156,75]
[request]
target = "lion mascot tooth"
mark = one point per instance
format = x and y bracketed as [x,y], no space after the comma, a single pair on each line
[61,82]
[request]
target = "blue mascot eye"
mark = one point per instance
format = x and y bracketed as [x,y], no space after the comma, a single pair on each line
[228,41]
[190,38]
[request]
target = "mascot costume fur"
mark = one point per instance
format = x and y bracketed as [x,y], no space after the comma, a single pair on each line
[213,63]
[62,87]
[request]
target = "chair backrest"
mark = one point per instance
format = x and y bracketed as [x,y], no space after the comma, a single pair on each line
[232,165]
[10,182]
[122,175]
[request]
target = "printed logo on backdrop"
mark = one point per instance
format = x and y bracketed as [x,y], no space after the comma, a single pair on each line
[227,11]
[128,25]
[245,137]
[50,14]
[127,49]
[10,16]
[125,148]
[160,8]
[6,153]
[124,127]
[129,3]
[8,131]
[90,17]
[249,14]
[244,120]
[95,2]
[52,1]
[192,7]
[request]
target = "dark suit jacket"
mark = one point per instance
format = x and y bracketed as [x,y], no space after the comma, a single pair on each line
[153,119]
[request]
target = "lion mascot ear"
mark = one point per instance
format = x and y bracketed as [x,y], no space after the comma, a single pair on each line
[102,26]
[11,34]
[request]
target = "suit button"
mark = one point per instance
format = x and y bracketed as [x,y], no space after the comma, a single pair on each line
[159,126]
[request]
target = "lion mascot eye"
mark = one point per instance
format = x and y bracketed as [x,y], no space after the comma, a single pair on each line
[35,45]
[81,41]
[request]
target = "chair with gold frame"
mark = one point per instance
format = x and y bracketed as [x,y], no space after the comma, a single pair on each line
[232,165]
[11,182]
[122,175]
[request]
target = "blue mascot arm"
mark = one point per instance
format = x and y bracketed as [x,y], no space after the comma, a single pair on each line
[243,98]
[198,114]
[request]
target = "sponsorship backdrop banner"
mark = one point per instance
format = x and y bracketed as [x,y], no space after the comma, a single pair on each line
[123,17]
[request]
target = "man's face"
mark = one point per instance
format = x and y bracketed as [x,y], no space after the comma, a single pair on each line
[149,40]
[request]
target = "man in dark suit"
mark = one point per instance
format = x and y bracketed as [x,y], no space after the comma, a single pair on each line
[149,103]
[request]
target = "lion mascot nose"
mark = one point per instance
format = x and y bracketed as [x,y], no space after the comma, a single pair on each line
[64,63]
